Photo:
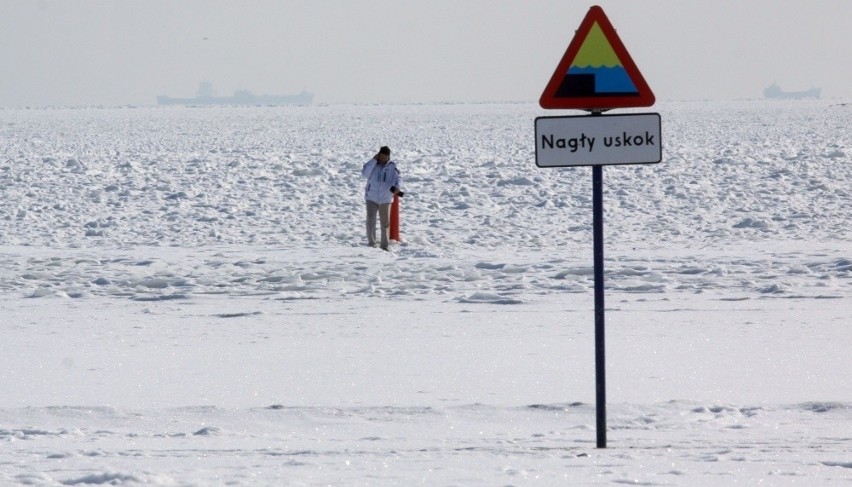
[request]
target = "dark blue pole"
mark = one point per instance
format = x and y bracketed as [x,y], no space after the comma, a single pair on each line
[600,368]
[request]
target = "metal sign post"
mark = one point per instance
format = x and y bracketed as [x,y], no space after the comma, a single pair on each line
[600,342]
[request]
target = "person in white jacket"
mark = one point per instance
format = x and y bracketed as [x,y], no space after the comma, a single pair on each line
[383,182]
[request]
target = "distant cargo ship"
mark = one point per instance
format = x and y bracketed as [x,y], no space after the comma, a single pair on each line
[775,91]
[205,96]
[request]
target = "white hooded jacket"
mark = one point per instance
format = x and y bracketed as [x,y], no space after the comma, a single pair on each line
[380,179]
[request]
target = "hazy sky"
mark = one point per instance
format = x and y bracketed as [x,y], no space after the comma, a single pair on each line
[82,52]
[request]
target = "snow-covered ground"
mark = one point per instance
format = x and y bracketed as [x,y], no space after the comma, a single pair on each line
[186,298]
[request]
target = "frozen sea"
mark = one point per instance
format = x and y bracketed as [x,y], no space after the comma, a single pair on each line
[187,298]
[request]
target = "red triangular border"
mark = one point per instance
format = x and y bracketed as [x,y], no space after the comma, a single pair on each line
[645,98]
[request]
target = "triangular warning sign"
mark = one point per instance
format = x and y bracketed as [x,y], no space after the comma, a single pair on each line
[596,72]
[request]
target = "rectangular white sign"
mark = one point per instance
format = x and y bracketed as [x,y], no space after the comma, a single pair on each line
[588,140]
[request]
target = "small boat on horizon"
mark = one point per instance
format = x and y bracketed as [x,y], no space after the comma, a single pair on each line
[775,91]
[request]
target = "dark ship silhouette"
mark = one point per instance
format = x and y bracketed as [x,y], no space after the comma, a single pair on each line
[206,96]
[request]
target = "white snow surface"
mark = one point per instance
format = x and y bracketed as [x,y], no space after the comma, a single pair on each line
[187,298]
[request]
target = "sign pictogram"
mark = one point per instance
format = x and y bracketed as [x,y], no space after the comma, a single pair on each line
[596,72]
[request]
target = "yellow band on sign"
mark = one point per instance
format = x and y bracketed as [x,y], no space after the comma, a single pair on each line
[596,51]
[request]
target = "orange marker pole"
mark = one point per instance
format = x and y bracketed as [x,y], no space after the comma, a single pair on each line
[394,219]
